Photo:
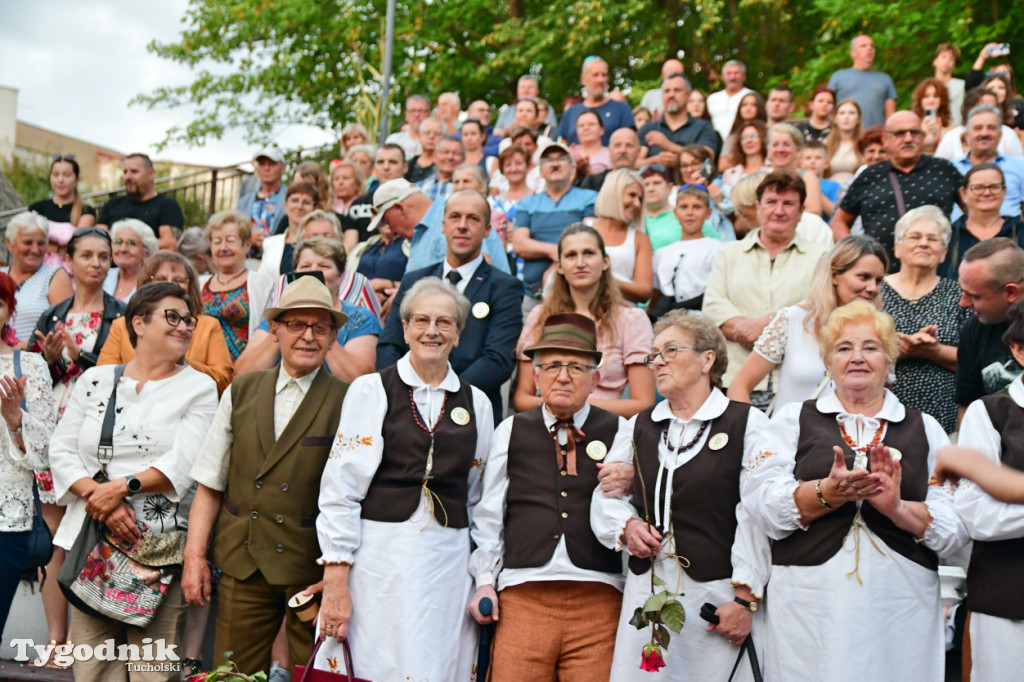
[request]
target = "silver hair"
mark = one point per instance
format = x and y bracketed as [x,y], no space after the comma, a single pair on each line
[29,221]
[450,96]
[368,149]
[329,216]
[932,214]
[528,77]
[984,109]
[435,285]
[144,231]
[735,62]
[479,173]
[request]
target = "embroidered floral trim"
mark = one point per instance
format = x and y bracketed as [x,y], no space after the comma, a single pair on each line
[759,459]
[350,443]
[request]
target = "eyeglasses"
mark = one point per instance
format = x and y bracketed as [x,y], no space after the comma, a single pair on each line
[421,322]
[90,232]
[986,189]
[751,136]
[65,157]
[577,370]
[174,318]
[298,327]
[668,354]
[130,243]
[692,164]
[913,132]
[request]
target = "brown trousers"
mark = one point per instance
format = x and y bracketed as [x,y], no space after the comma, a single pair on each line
[249,614]
[562,630]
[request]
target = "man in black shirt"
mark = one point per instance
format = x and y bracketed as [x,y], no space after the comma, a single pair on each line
[992,280]
[667,136]
[141,201]
[887,190]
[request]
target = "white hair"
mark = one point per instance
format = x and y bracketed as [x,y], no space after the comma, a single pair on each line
[931,214]
[144,231]
[27,221]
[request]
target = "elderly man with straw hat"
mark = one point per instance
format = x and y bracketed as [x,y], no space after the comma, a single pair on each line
[259,477]
[560,589]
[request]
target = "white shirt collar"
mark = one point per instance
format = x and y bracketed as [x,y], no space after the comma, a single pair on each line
[712,408]
[578,419]
[303,382]
[467,271]
[1017,390]
[409,376]
[892,409]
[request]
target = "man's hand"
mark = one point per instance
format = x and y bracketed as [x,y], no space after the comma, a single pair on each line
[474,605]
[195,580]
[616,478]
[656,138]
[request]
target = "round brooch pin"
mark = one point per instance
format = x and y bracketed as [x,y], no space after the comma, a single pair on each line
[481,310]
[460,416]
[596,450]
[895,454]
[718,441]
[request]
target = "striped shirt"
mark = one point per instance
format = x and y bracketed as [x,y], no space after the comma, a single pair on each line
[32,298]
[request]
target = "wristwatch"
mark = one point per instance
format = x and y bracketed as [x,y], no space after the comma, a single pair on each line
[134,484]
[748,605]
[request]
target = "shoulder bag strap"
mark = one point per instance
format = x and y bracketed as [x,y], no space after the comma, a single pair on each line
[755,667]
[901,206]
[106,446]
[17,371]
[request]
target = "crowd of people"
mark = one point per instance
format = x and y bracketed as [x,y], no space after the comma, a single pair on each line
[748,337]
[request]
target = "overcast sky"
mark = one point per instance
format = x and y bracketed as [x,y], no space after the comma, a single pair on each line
[78,64]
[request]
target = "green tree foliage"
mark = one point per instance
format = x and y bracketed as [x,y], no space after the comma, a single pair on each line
[262,63]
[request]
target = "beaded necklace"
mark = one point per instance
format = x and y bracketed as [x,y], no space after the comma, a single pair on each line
[431,430]
[683,447]
[874,441]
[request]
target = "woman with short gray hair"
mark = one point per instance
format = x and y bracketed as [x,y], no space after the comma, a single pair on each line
[396,497]
[39,285]
[925,309]
[134,242]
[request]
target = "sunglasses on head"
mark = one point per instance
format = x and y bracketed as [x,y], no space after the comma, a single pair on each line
[58,157]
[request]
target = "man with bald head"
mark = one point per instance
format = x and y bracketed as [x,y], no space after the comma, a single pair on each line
[884,191]
[652,98]
[614,114]
[528,86]
[625,150]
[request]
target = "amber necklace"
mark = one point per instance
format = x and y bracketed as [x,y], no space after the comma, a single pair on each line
[874,441]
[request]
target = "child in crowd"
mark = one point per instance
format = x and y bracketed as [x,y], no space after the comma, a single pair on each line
[814,159]
[681,269]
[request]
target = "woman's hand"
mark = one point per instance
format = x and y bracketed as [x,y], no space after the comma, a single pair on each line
[846,485]
[642,540]
[74,350]
[615,478]
[474,606]
[715,192]
[52,344]
[890,475]
[336,604]
[106,498]
[10,401]
[733,622]
[121,523]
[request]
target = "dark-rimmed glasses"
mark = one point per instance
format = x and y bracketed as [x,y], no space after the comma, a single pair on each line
[174,318]
[668,354]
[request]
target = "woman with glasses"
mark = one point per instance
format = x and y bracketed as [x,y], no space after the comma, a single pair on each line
[301,199]
[583,283]
[982,194]
[748,156]
[38,284]
[235,295]
[689,453]
[852,270]
[134,242]
[751,108]
[619,211]
[207,353]
[355,351]
[924,307]
[164,409]
[396,498]
[65,210]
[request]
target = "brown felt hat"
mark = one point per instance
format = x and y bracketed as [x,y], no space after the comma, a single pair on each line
[567,332]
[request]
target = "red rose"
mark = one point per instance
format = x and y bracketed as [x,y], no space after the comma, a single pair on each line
[651,659]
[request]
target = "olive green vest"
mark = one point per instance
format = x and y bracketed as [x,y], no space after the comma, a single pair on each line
[267,520]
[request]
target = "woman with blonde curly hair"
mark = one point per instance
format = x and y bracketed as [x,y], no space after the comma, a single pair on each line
[583,283]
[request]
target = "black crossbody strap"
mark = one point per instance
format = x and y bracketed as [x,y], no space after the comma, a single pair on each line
[748,649]
[17,371]
[901,206]
[107,434]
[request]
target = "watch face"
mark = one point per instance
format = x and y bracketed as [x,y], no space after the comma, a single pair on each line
[134,485]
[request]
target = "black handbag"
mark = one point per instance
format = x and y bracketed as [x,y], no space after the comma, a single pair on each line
[40,539]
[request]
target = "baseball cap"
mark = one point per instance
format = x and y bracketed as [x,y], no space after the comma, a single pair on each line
[387,195]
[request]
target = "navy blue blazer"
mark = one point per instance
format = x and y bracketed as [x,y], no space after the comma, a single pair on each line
[485,356]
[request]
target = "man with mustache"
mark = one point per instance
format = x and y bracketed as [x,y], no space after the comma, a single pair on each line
[884,191]
[665,138]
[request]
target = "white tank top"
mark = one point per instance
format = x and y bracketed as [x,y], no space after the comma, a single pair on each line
[623,257]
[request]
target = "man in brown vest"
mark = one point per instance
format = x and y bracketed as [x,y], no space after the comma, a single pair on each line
[560,588]
[259,479]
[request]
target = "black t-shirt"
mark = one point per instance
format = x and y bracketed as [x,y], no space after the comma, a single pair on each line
[418,173]
[984,364]
[812,133]
[358,218]
[58,214]
[160,210]
[872,197]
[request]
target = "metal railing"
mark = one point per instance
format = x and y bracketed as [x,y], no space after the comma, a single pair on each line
[200,193]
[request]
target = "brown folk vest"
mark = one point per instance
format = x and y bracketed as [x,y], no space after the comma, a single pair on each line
[814,459]
[996,568]
[267,520]
[544,502]
[396,489]
[705,492]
